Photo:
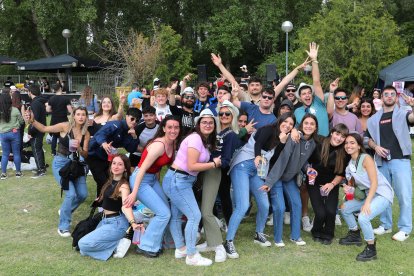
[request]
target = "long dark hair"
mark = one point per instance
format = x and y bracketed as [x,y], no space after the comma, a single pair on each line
[359,140]
[274,139]
[314,136]
[124,179]
[161,133]
[340,151]
[112,112]
[5,107]
[210,141]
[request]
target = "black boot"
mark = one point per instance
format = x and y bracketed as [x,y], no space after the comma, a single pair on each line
[352,238]
[369,253]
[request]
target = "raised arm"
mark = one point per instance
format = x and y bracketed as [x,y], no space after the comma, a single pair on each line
[286,80]
[120,114]
[330,105]
[313,55]
[216,59]
[171,93]
[235,89]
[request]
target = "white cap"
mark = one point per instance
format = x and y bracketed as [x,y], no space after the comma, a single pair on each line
[13,87]
[187,90]
[205,113]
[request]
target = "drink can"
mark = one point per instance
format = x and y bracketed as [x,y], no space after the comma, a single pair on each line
[388,155]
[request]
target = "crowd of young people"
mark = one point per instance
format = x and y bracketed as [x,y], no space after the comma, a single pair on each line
[283,145]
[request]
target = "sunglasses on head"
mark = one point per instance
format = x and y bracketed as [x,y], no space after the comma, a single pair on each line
[267,97]
[341,98]
[227,113]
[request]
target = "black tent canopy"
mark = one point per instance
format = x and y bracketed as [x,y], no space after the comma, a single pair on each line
[401,70]
[61,63]
[8,60]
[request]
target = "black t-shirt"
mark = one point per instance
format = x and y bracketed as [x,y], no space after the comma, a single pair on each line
[388,138]
[187,118]
[59,104]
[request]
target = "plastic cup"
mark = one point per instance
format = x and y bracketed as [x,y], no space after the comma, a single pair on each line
[90,119]
[323,193]
[73,145]
[261,169]
[112,153]
[312,176]
[349,195]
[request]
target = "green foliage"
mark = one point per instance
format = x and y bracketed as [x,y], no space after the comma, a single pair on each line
[352,47]
[175,59]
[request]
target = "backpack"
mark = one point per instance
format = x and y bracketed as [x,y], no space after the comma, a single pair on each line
[85,226]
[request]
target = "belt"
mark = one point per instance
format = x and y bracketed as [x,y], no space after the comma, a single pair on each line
[62,155]
[179,171]
[111,215]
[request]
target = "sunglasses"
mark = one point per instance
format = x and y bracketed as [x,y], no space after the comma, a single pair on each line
[227,113]
[267,97]
[189,97]
[290,90]
[205,123]
[133,119]
[389,94]
[341,98]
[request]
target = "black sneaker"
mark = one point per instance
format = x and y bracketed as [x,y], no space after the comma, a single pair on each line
[231,250]
[3,176]
[39,173]
[369,253]
[260,238]
[352,238]
[19,174]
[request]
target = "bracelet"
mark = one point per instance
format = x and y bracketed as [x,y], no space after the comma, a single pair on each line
[132,221]
[333,184]
[315,61]
[215,165]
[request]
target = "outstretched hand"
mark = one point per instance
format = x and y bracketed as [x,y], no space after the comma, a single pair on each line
[313,51]
[334,85]
[216,59]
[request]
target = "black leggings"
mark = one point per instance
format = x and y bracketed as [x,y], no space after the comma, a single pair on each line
[100,171]
[325,211]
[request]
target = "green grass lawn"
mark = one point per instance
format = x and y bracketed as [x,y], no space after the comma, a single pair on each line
[29,244]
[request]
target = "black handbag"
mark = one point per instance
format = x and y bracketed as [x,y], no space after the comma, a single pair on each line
[85,226]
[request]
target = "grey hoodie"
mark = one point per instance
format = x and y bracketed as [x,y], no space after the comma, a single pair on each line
[291,160]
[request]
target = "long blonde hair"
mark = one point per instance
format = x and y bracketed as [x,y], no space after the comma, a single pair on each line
[87,95]
[72,122]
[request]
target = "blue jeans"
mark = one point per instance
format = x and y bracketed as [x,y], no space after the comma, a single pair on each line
[292,194]
[398,173]
[378,205]
[10,142]
[244,179]
[76,194]
[179,189]
[151,195]
[101,243]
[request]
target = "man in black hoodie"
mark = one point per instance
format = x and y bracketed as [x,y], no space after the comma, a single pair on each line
[39,111]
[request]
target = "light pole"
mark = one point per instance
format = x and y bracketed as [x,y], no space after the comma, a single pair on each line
[66,33]
[287,26]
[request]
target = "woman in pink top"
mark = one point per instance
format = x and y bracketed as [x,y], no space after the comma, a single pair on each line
[192,157]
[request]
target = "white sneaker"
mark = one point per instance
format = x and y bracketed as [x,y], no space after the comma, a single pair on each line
[280,244]
[198,260]
[400,236]
[59,212]
[221,255]
[338,220]
[299,241]
[381,231]
[180,253]
[203,247]
[306,225]
[270,221]
[286,218]
[63,233]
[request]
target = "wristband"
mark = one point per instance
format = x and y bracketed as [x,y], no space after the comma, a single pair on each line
[315,61]
[132,221]
[215,165]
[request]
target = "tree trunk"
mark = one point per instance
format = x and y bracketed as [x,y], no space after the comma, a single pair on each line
[42,42]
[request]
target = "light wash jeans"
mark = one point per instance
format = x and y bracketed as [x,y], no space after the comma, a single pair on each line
[10,142]
[244,179]
[398,172]
[378,205]
[179,189]
[152,196]
[102,242]
[292,193]
[76,194]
